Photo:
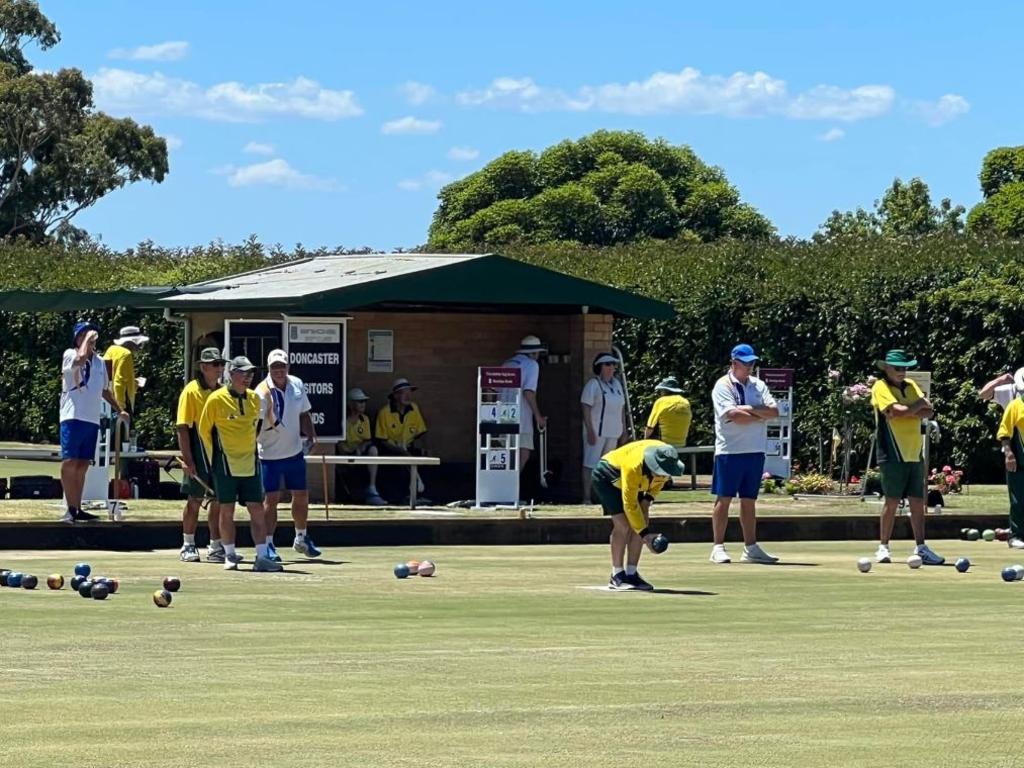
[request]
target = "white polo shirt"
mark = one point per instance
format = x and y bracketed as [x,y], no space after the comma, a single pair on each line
[280,437]
[1004,394]
[607,401]
[81,388]
[530,376]
[731,437]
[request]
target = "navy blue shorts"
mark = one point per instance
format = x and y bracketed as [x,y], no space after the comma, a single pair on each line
[78,439]
[292,471]
[737,474]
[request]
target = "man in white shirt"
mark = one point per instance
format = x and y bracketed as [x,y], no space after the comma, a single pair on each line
[84,386]
[743,406]
[284,408]
[1002,389]
[525,358]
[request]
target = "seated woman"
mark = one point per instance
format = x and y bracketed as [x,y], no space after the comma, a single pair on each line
[401,428]
[359,441]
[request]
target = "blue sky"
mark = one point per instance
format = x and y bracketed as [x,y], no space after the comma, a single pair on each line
[335,124]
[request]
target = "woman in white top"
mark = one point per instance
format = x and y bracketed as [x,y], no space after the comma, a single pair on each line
[604,415]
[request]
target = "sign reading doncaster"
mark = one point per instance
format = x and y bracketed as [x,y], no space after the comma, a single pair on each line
[316,354]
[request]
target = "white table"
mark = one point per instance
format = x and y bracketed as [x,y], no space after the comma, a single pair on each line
[413,462]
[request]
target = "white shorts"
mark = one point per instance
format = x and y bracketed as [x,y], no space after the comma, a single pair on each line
[526,440]
[592,453]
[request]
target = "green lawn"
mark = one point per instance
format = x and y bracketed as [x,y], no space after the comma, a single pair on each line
[504,659]
[977,499]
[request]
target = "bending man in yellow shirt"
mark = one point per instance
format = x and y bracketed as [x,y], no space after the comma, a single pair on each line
[626,482]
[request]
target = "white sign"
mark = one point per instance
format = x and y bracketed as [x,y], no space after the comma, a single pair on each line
[380,351]
[314,333]
[497,460]
[489,413]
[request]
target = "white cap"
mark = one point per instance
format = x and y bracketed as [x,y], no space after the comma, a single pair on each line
[356,395]
[277,356]
[131,333]
[401,384]
[530,344]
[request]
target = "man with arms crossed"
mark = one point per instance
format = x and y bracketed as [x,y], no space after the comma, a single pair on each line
[743,406]
[899,406]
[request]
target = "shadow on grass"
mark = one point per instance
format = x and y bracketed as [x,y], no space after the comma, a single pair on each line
[695,592]
[321,561]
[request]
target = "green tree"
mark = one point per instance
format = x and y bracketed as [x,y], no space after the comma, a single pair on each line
[58,155]
[608,187]
[1002,184]
[905,210]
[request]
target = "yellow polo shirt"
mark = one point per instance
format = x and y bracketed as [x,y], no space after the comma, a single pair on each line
[122,378]
[1011,428]
[899,439]
[633,480]
[357,432]
[228,427]
[400,426]
[671,415]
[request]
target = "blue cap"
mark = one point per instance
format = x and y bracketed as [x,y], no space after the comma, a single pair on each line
[83,325]
[744,353]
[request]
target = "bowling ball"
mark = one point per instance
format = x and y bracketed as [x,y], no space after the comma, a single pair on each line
[14,579]
[162,598]
[402,571]
[1008,574]
[414,567]
[962,564]
[85,588]
[55,581]
[114,585]
[100,591]
[28,581]
[3,577]
[172,583]
[1002,534]
[83,569]
[427,568]
[76,582]
[659,544]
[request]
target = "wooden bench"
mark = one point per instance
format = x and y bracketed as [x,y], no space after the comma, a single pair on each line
[413,462]
[692,450]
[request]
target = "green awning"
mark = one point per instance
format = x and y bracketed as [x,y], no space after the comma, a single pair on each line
[73,301]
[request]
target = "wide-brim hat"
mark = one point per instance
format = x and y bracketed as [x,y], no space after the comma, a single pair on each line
[530,344]
[1018,380]
[663,460]
[897,358]
[356,395]
[212,355]
[401,384]
[669,384]
[240,363]
[131,333]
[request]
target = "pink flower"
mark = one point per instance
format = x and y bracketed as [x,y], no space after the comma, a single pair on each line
[947,468]
[766,476]
[950,480]
[833,374]
[854,479]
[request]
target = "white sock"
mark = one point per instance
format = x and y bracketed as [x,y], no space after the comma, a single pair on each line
[270,540]
[216,544]
[190,538]
[261,550]
[229,549]
[616,569]
[300,533]
[630,570]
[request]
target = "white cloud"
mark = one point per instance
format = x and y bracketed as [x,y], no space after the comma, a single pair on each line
[832,134]
[463,153]
[405,126]
[690,91]
[417,93]
[170,51]
[258,148]
[173,142]
[946,108]
[274,173]
[429,180]
[124,91]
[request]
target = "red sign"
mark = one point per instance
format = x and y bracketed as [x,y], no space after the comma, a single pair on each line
[777,378]
[505,378]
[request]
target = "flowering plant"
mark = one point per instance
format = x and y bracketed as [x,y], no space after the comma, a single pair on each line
[947,479]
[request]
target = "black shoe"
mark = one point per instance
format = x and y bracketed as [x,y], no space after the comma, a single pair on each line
[638,582]
[82,516]
[618,581]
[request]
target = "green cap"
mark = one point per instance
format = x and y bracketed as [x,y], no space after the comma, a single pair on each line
[669,384]
[663,460]
[897,358]
[211,355]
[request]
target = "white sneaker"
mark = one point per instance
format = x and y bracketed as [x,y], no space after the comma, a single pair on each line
[754,554]
[882,554]
[1016,543]
[927,556]
[70,518]
[231,561]
[719,555]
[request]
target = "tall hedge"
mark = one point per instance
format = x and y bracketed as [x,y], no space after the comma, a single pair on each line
[957,304]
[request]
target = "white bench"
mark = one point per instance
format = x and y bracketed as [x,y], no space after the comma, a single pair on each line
[412,462]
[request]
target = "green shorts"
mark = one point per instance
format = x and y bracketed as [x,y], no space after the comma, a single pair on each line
[241,490]
[902,479]
[189,485]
